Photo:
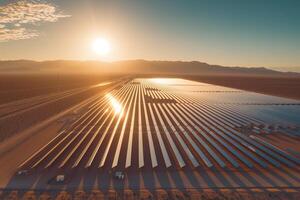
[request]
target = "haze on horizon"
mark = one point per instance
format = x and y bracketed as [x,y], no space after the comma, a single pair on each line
[231,33]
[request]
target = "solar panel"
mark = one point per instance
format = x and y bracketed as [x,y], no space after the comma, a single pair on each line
[150,141]
[277,150]
[258,146]
[74,134]
[82,139]
[96,149]
[219,139]
[194,145]
[227,136]
[160,140]
[179,158]
[119,145]
[90,142]
[179,138]
[112,135]
[130,138]
[140,132]
[221,151]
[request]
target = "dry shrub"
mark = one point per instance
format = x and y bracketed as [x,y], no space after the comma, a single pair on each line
[45,196]
[63,196]
[96,195]
[13,195]
[29,195]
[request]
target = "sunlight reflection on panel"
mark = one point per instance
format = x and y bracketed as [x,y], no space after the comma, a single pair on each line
[115,104]
[101,84]
[174,81]
[160,80]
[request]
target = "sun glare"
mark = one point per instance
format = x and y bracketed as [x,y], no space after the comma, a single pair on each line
[160,80]
[115,104]
[101,46]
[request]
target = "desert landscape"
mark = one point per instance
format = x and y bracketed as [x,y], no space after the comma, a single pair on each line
[168,136]
[149,100]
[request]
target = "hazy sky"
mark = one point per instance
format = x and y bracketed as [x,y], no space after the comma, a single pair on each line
[225,32]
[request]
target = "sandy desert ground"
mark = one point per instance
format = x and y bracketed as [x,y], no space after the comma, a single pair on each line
[171,137]
[21,86]
[278,86]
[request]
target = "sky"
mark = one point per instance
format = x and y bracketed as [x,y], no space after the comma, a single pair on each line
[224,32]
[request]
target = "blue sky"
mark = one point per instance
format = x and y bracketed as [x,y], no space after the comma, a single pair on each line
[225,32]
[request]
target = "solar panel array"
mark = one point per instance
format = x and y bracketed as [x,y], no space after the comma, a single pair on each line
[150,123]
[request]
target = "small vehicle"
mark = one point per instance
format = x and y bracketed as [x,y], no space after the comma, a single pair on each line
[22,172]
[60,178]
[119,175]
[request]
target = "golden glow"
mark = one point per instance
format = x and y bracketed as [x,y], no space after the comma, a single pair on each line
[115,104]
[160,80]
[101,84]
[101,46]
[171,81]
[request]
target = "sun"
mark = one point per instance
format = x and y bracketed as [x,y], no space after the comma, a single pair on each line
[101,46]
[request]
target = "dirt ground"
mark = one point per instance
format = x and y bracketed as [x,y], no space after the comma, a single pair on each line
[277,86]
[14,87]
[159,194]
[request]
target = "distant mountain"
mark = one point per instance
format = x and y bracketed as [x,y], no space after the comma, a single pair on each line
[134,67]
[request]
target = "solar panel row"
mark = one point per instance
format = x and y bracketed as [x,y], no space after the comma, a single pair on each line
[125,128]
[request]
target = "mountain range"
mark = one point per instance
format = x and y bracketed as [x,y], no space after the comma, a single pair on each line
[142,67]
